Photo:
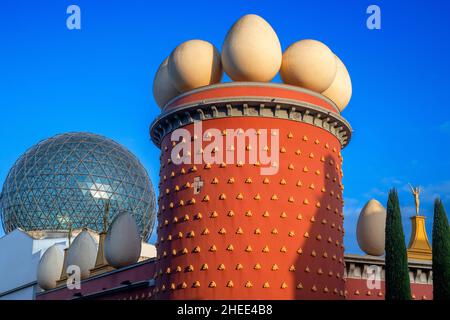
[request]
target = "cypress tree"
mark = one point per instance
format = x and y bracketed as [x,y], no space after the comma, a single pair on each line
[397,273]
[441,253]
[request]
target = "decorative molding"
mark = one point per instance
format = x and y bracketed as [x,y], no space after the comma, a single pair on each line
[420,272]
[250,84]
[290,110]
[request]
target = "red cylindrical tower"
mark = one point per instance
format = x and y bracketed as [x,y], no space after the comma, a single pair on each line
[227,231]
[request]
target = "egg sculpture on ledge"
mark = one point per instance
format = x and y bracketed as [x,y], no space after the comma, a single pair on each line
[194,64]
[82,253]
[370,230]
[309,64]
[163,88]
[340,90]
[123,242]
[251,50]
[50,266]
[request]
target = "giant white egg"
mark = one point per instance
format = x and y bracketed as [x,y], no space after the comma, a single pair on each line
[123,241]
[50,267]
[194,64]
[308,64]
[82,253]
[340,90]
[251,50]
[370,231]
[163,87]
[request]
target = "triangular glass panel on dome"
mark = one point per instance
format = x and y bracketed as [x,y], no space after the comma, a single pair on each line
[102,157]
[82,168]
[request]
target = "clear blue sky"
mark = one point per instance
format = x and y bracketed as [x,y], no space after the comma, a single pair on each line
[99,79]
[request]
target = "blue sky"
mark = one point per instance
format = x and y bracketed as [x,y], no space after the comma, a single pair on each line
[99,79]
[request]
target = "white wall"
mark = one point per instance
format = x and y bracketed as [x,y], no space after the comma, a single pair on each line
[19,257]
[148,250]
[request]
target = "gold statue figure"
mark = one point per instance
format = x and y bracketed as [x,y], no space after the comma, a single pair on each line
[416,194]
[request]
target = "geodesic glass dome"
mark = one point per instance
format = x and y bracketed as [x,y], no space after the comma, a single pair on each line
[67,179]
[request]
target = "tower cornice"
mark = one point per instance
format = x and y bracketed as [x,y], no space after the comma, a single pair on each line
[248,99]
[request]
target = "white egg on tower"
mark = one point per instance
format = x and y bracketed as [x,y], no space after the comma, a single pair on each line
[163,88]
[309,64]
[194,64]
[251,50]
[340,90]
